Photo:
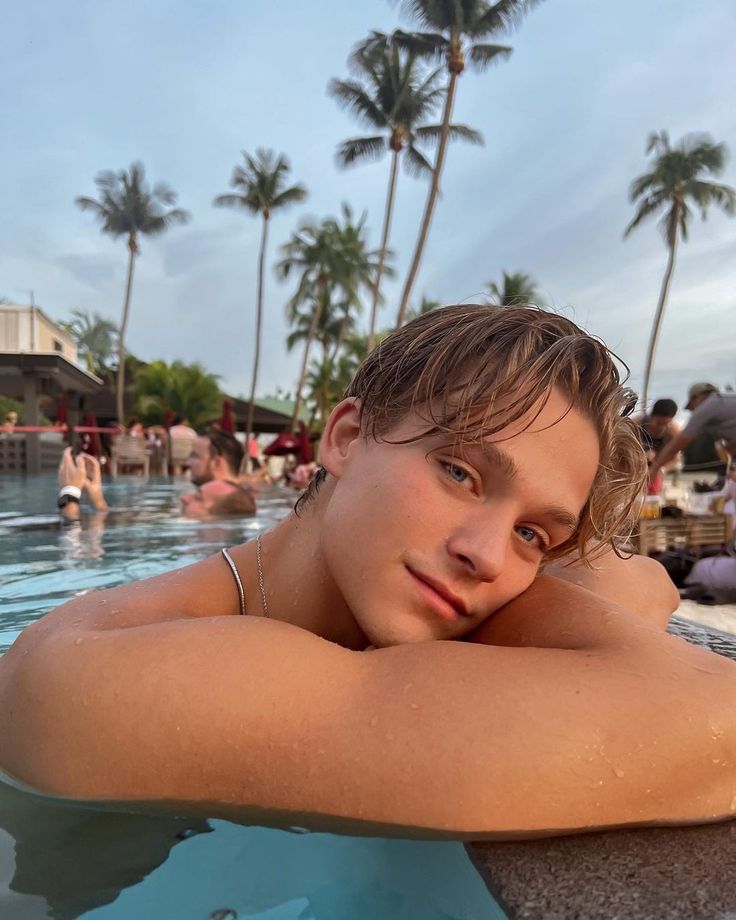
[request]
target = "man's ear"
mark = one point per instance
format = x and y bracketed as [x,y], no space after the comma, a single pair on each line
[341,434]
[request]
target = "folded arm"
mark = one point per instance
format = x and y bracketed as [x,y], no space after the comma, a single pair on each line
[599,720]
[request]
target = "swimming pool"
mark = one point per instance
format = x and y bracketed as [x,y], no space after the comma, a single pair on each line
[63,862]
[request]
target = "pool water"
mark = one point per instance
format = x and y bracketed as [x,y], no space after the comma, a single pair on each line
[61,861]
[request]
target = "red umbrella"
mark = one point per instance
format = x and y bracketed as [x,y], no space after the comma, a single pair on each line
[226,419]
[285,443]
[95,445]
[62,413]
[306,454]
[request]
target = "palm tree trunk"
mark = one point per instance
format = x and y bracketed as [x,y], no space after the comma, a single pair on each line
[316,316]
[659,315]
[431,198]
[259,322]
[120,394]
[384,243]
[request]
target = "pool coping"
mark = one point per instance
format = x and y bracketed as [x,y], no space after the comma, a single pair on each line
[643,874]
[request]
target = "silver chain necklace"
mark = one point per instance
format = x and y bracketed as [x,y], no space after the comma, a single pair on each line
[260,575]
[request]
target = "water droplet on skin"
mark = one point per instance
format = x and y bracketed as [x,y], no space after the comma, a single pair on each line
[79,641]
[414,705]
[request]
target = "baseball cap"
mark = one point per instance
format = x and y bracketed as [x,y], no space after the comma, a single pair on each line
[698,389]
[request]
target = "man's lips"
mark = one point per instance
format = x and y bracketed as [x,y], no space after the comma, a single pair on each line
[444,594]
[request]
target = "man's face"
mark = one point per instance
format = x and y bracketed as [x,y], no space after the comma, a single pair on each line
[425,542]
[201,462]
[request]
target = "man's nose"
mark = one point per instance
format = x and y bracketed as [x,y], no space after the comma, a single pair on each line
[481,548]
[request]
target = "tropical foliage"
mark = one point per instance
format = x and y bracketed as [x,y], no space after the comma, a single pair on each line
[129,207]
[261,188]
[393,93]
[516,288]
[96,338]
[677,183]
[456,33]
[184,389]
[334,265]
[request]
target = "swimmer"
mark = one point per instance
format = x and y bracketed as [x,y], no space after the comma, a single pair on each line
[214,467]
[402,665]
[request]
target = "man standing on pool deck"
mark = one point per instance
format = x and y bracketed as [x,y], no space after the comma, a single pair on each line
[568,710]
[713,412]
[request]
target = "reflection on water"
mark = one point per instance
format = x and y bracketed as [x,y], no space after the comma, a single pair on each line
[62,861]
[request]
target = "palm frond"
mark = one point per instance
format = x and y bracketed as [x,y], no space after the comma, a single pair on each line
[356,149]
[432,134]
[416,163]
[481,56]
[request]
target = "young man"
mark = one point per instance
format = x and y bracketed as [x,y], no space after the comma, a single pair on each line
[568,710]
[214,467]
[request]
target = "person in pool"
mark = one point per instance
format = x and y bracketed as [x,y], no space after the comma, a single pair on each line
[342,698]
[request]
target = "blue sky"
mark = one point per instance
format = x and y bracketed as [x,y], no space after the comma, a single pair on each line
[185,85]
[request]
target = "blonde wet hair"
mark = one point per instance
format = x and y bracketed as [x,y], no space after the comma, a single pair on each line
[472,370]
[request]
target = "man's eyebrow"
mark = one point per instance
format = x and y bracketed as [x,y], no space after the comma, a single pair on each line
[498,457]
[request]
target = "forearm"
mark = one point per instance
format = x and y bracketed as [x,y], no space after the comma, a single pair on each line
[670,450]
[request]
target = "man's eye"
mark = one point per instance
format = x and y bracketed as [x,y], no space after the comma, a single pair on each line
[456,473]
[529,535]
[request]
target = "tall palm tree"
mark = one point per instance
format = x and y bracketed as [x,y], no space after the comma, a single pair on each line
[675,182]
[129,207]
[516,288]
[334,264]
[261,189]
[457,31]
[96,338]
[393,94]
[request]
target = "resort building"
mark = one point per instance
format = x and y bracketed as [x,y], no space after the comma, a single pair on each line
[39,365]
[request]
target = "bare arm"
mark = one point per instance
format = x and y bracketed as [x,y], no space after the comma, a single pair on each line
[637,583]
[600,721]
[669,451]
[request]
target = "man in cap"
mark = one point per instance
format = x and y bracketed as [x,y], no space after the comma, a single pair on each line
[713,412]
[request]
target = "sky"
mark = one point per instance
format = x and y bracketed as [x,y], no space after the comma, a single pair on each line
[186,85]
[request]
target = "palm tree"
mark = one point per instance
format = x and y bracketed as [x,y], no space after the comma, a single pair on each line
[673,184]
[129,207]
[456,31]
[96,338]
[261,190]
[516,288]
[426,305]
[184,389]
[334,265]
[393,95]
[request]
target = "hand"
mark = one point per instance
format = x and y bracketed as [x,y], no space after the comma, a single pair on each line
[654,471]
[72,470]
[93,480]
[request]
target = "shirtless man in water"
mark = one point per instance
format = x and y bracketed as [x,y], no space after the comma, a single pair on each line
[569,708]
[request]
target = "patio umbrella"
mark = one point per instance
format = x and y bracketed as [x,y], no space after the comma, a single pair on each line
[285,443]
[95,445]
[226,419]
[306,454]
[62,413]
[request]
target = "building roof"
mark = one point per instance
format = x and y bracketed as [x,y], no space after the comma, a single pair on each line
[51,367]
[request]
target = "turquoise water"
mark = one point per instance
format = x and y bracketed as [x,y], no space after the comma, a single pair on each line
[62,862]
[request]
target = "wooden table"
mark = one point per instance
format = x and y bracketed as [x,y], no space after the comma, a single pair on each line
[691,532]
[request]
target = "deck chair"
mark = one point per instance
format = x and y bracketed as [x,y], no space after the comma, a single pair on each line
[129,452]
[179,452]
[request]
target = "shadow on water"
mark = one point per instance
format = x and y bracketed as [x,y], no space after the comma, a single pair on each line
[61,861]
